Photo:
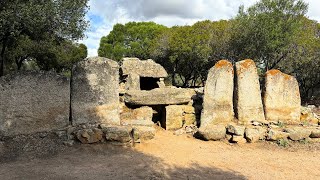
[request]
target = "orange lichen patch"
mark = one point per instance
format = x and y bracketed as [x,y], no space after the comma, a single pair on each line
[247,63]
[273,72]
[287,77]
[222,63]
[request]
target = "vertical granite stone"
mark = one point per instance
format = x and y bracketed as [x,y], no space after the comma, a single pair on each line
[218,95]
[95,92]
[282,100]
[33,102]
[248,95]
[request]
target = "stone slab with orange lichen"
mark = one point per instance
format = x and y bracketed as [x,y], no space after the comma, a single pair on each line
[218,95]
[248,94]
[282,97]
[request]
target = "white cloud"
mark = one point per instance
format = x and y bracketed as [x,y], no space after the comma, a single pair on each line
[166,12]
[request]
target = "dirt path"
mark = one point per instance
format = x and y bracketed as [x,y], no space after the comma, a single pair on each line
[170,157]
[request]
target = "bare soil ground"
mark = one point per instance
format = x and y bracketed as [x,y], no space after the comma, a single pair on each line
[165,157]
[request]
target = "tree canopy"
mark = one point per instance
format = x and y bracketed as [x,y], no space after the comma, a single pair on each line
[27,24]
[133,39]
[274,33]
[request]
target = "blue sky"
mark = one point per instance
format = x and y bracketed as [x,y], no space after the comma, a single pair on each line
[103,14]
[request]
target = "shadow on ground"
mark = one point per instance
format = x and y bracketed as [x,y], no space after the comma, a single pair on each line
[46,158]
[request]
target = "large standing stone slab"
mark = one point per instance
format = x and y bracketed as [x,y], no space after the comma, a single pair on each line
[282,98]
[248,95]
[33,102]
[95,92]
[218,95]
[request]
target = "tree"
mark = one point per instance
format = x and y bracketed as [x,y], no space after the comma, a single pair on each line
[133,39]
[187,52]
[267,30]
[39,20]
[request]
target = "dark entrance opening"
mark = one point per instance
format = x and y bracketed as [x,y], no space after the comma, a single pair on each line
[148,83]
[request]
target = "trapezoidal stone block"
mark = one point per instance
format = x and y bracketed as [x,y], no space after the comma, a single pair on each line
[95,92]
[248,95]
[282,100]
[33,102]
[218,95]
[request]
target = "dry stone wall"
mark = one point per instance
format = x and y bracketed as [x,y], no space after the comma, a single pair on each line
[33,102]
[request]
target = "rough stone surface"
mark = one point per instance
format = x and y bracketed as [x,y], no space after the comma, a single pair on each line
[89,136]
[238,139]
[281,98]
[133,82]
[248,95]
[235,129]
[95,91]
[218,95]
[254,134]
[117,133]
[315,133]
[189,119]
[274,135]
[174,117]
[308,116]
[139,116]
[159,96]
[212,132]
[144,68]
[32,102]
[144,133]
[298,133]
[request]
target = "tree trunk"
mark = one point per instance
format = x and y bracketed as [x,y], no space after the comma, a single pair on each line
[4,44]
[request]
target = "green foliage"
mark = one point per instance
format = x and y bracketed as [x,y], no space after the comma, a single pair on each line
[266,31]
[28,24]
[133,39]
[188,52]
[274,33]
[283,142]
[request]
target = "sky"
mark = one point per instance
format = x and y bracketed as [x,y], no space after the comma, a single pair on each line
[103,14]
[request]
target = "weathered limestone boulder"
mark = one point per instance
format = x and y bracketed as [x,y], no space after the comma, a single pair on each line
[121,134]
[89,136]
[308,116]
[275,134]
[144,68]
[33,102]
[298,133]
[254,134]
[218,95]
[315,132]
[174,117]
[144,133]
[159,96]
[248,95]
[211,132]
[140,116]
[95,91]
[235,130]
[282,98]
[238,139]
